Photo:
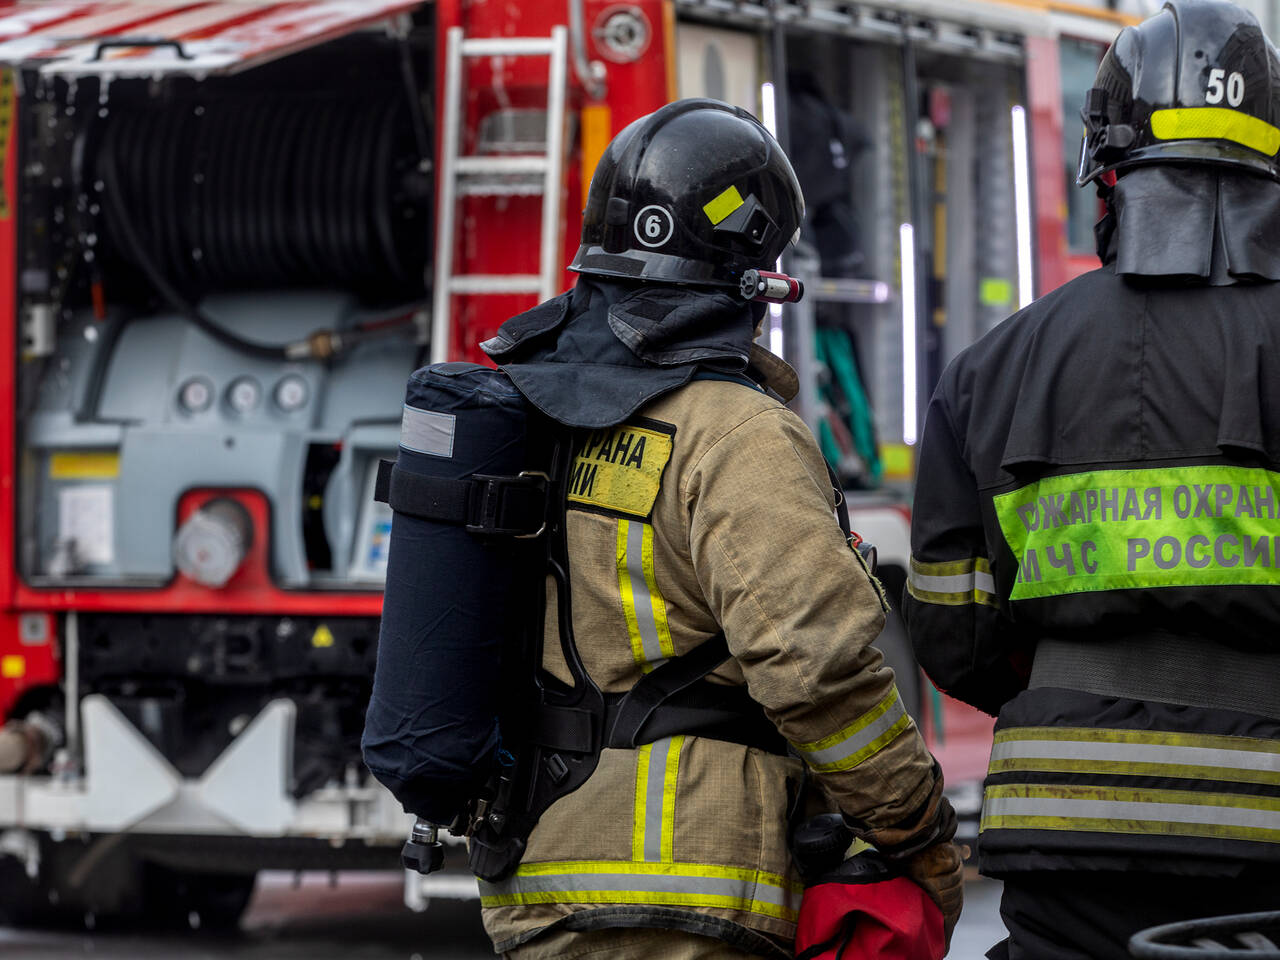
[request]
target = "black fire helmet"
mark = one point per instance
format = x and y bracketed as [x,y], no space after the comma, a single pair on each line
[1197,83]
[694,193]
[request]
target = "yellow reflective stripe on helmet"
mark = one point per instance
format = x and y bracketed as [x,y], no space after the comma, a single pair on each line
[654,817]
[1099,809]
[722,205]
[643,605]
[1136,753]
[860,740]
[1216,123]
[670,884]
[952,583]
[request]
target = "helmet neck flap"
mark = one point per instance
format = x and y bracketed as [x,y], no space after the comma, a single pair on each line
[1196,223]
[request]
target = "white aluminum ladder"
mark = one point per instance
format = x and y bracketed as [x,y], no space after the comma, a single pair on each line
[454,167]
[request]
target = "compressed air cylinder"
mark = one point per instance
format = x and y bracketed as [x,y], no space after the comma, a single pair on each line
[454,600]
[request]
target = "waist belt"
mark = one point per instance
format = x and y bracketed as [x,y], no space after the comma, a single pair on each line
[1163,667]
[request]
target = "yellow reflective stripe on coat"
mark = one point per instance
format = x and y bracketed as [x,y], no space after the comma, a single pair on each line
[952,583]
[1123,810]
[1147,753]
[653,827]
[1216,123]
[860,740]
[642,602]
[665,884]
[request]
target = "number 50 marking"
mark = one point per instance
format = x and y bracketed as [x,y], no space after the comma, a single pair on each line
[1233,88]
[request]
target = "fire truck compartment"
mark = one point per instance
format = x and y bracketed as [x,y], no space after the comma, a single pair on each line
[221,286]
[126,421]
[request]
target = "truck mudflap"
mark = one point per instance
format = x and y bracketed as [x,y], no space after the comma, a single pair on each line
[129,786]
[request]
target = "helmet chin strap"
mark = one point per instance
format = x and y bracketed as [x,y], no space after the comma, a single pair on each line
[770,287]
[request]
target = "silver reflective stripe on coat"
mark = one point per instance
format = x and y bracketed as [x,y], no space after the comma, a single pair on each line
[1131,810]
[646,622]
[952,582]
[861,740]
[1183,759]
[956,583]
[653,801]
[426,431]
[674,884]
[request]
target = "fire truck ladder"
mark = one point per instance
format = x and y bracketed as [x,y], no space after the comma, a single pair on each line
[497,176]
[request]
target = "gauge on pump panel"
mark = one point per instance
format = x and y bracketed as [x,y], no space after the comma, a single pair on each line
[195,395]
[244,394]
[291,393]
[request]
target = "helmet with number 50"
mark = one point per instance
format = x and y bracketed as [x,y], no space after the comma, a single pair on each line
[1198,83]
[696,192]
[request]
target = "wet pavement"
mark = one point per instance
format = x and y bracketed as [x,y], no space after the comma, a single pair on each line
[363,918]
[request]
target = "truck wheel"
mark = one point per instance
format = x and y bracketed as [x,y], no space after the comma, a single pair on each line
[204,901]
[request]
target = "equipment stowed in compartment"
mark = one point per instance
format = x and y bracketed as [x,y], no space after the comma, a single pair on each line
[283,190]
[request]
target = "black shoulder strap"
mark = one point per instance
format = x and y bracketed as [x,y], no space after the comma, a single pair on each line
[677,698]
[637,707]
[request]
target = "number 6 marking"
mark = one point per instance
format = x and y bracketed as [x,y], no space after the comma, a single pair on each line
[653,225]
[1233,88]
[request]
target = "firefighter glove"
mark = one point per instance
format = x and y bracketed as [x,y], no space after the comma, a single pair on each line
[939,869]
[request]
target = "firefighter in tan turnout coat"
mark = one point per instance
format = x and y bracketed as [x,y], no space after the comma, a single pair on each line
[699,505]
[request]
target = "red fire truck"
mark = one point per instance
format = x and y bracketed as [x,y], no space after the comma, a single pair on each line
[229,230]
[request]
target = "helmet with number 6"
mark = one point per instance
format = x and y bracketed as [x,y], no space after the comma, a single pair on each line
[696,192]
[1197,83]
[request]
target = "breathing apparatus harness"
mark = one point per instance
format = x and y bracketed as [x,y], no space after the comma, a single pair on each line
[552,732]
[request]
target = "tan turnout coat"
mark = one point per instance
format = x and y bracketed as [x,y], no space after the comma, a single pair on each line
[712,510]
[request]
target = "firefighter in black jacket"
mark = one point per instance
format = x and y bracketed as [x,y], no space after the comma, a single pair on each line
[1096,539]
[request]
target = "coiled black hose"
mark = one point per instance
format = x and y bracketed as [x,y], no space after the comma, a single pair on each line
[269,191]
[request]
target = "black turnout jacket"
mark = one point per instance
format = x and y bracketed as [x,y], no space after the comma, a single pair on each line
[1096,559]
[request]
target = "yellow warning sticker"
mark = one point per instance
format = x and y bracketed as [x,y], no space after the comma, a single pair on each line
[13,666]
[84,465]
[619,470]
[323,637]
[723,205]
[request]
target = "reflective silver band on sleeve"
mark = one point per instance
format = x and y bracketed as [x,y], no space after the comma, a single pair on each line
[952,582]
[860,740]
